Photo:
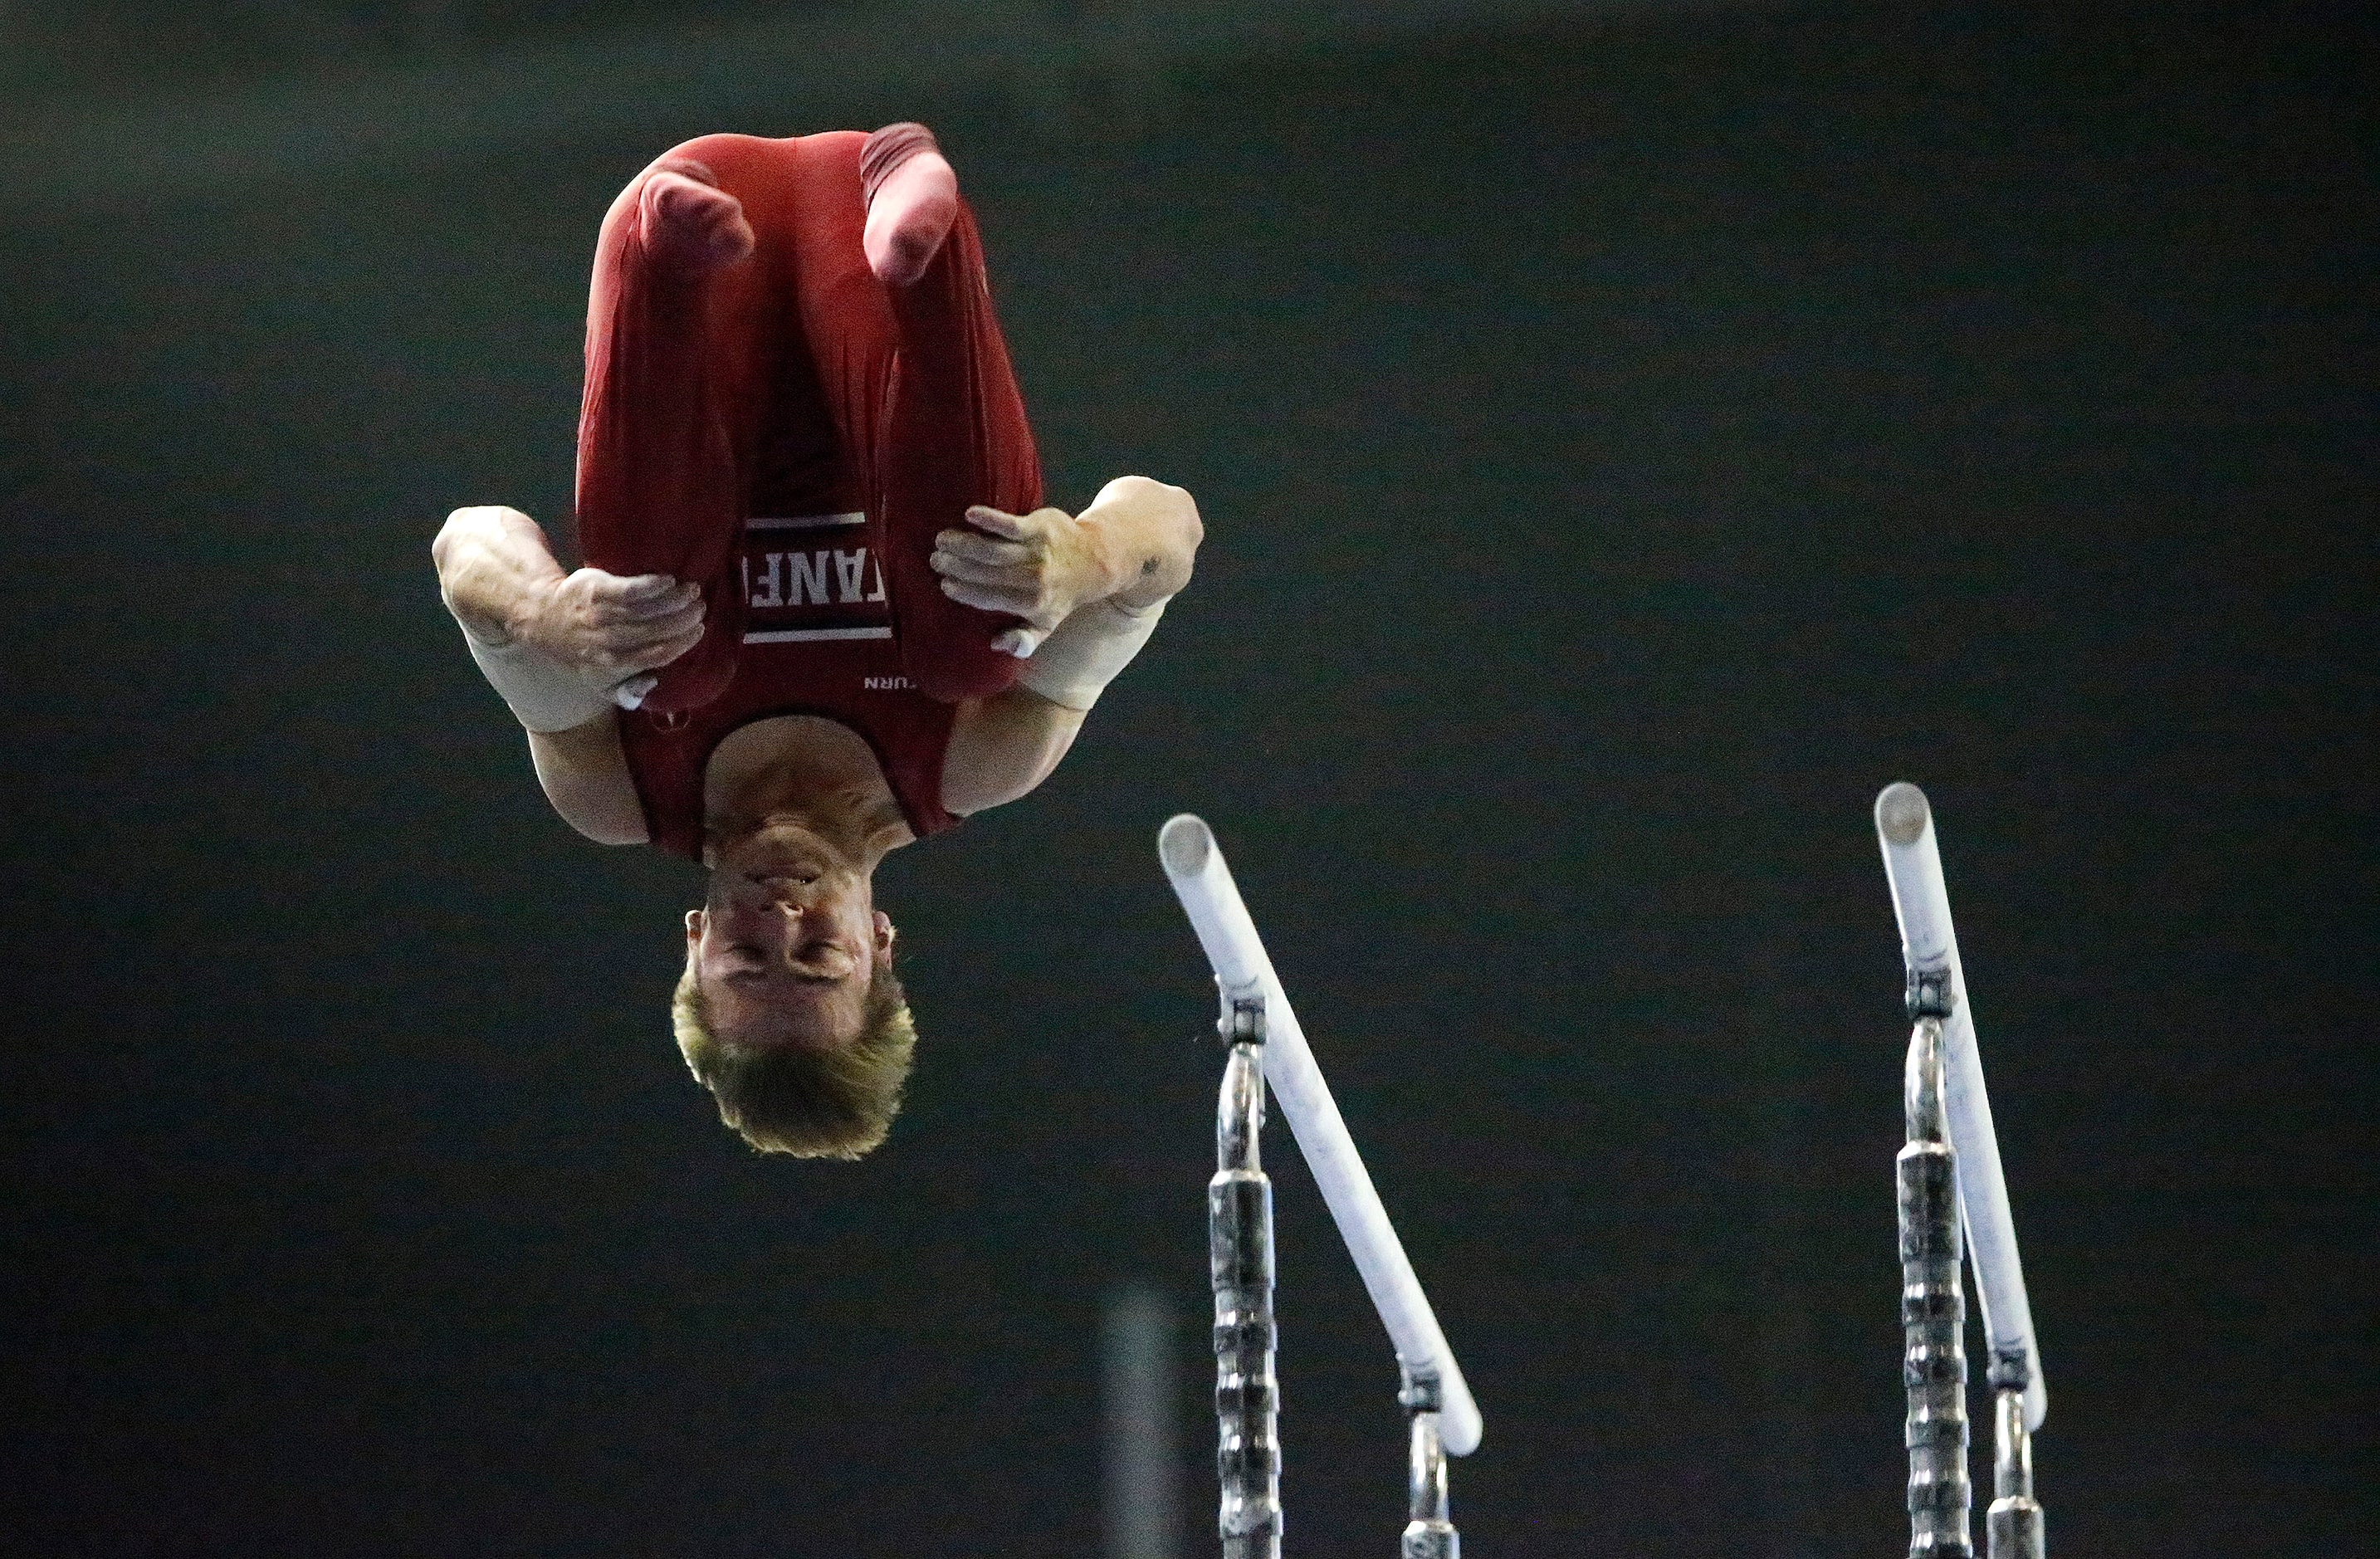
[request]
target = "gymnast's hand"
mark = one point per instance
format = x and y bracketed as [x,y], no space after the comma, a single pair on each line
[500,580]
[1038,566]
[1133,544]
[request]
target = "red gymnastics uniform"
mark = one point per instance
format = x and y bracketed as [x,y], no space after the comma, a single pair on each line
[790,434]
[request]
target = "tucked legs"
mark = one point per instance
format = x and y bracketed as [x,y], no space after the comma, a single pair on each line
[723,271]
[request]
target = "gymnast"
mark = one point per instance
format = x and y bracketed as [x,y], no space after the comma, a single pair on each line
[823,613]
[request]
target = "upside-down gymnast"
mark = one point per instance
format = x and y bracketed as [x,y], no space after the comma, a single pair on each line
[823,612]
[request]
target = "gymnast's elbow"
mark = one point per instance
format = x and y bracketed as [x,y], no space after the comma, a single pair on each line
[1176,510]
[1158,527]
[1189,530]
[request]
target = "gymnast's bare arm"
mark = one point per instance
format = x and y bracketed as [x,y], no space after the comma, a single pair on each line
[499,578]
[1133,546]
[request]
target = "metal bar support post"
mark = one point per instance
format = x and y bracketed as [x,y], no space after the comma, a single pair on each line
[1933,1307]
[2015,1525]
[1240,1261]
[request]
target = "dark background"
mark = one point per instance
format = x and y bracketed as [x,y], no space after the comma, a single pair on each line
[1626,443]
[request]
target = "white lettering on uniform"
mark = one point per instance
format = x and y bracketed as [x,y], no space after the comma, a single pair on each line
[808,577]
[848,567]
[776,562]
[878,594]
[884,684]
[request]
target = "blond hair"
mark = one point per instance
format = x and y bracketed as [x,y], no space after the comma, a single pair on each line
[834,1104]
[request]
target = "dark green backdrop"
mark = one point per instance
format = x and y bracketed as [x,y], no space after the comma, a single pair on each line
[1623,450]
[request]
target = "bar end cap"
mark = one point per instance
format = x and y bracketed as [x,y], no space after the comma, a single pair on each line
[1901,813]
[1185,843]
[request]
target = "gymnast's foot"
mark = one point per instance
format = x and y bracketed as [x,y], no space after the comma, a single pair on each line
[690,224]
[913,198]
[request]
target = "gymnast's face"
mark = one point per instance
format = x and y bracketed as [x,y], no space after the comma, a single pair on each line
[788,940]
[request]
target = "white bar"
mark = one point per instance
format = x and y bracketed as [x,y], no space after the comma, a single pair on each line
[1204,887]
[802,522]
[815,635]
[1913,863]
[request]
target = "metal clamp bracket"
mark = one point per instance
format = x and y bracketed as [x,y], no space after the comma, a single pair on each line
[1243,1022]
[1420,1391]
[1928,992]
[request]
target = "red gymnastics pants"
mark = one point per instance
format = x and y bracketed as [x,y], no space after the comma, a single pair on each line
[792,382]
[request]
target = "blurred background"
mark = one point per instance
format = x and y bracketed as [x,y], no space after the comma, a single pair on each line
[1629,437]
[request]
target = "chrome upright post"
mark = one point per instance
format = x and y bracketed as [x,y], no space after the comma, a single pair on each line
[1933,1307]
[2015,1522]
[1239,1249]
[1429,1535]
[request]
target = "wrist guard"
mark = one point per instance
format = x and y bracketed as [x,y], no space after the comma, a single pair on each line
[543,694]
[1084,653]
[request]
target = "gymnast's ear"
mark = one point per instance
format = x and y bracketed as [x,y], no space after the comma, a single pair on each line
[693,930]
[884,935]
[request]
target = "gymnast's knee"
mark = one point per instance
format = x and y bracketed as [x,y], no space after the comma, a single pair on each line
[687,222]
